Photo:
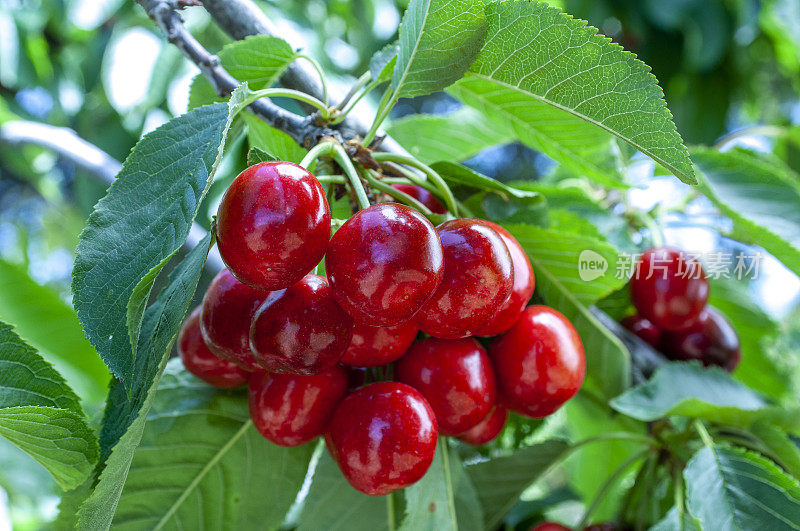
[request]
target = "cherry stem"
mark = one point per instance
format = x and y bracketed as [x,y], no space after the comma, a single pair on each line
[449,198]
[384,107]
[322,79]
[396,194]
[358,85]
[288,93]
[610,482]
[340,156]
[656,234]
[703,432]
[390,511]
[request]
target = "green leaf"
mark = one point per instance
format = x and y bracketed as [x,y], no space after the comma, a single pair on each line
[203,465]
[41,415]
[332,504]
[273,141]
[554,256]
[51,326]
[457,136]
[444,498]
[731,489]
[564,88]
[754,326]
[255,156]
[458,174]
[672,522]
[125,414]
[501,480]
[381,65]
[780,447]
[690,390]
[438,41]
[141,222]
[258,60]
[761,195]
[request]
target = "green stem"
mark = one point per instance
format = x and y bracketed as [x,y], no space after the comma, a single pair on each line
[390,511]
[344,161]
[358,85]
[323,149]
[451,503]
[606,486]
[647,221]
[401,196]
[677,486]
[703,432]
[449,198]
[384,107]
[335,179]
[287,93]
[323,81]
[414,178]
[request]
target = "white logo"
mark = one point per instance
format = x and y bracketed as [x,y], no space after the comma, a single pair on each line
[591,265]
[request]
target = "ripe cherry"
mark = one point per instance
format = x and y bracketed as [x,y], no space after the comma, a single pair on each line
[539,363]
[383,437]
[372,346]
[273,225]
[488,429]
[669,288]
[711,340]
[228,308]
[522,291]
[384,263]
[423,196]
[301,329]
[456,378]
[550,526]
[200,361]
[647,331]
[292,409]
[478,277]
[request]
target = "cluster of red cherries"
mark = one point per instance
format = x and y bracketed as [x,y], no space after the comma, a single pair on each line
[669,289]
[338,355]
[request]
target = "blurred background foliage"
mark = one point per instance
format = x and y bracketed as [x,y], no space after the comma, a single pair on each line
[100,68]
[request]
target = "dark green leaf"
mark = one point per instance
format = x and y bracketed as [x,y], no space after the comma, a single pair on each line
[438,41]
[41,415]
[501,480]
[142,221]
[459,174]
[202,464]
[761,195]
[731,489]
[126,412]
[255,155]
[563,88]
[273,141]
[258,60]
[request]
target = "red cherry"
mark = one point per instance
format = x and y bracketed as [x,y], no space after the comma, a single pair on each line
[522,291]
[228,308]
[647,331]
[550,526]
[292,409]
[383,437]
[200,361]
[384,263]
[456,378]
[669,288]
[488,429]
[372,346]
[478,277]
[711,340]
[273,225]
[423,196]
[301,329]
[539,363]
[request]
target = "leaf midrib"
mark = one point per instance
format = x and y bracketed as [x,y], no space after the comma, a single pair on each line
[413,54]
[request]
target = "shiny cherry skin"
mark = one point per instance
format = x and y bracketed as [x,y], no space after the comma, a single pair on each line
[478,277]
[488,429]
[384,263]
[292,409]
[228,308]
[539,363]
[423,196]
[383,437]
[373,346]
[711,340]
[200,361]
[301,329]
[456,378]
[644,329]
[521,292]
[273,225]
[669,288]
[550,526]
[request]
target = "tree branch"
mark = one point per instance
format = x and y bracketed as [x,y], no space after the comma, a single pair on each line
[240,18]
[165,14]
[91,158]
